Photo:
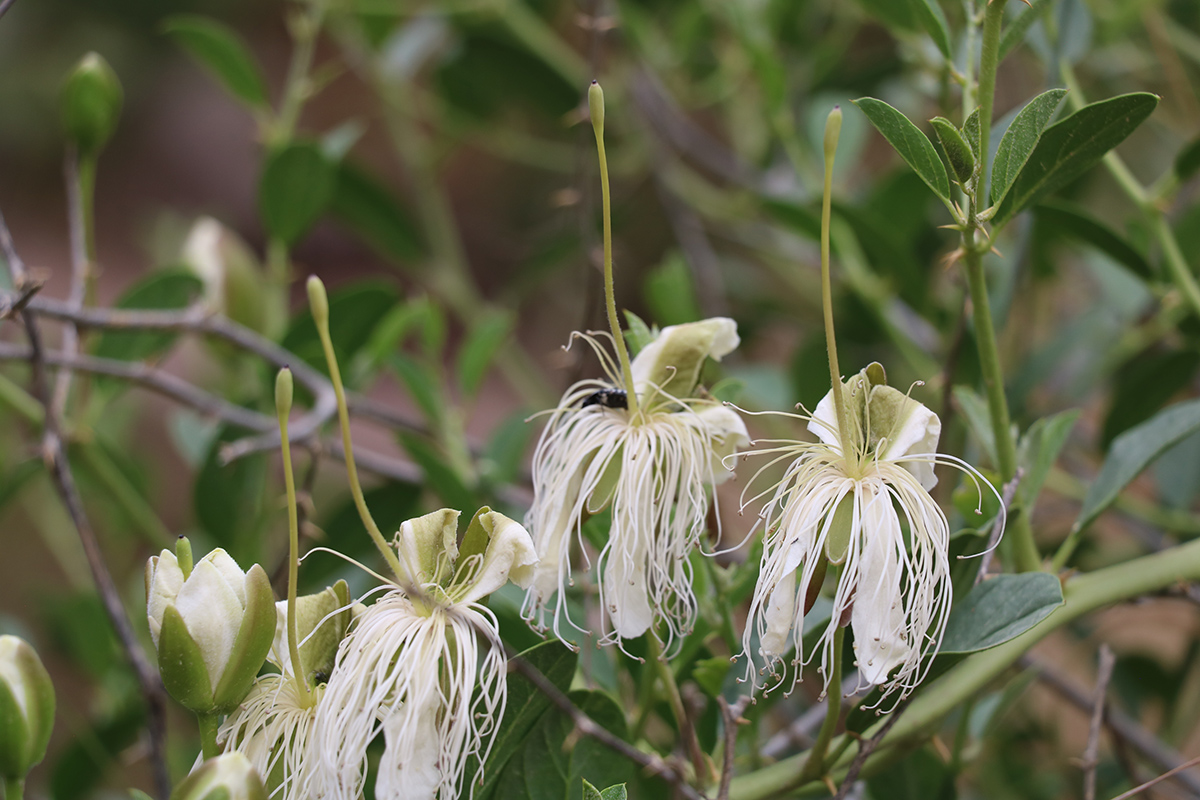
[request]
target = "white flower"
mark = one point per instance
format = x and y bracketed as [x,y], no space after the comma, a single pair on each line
[894,587]
[652,467]
[424,665]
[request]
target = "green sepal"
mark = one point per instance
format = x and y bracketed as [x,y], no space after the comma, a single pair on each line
[958,152]
[320,649]
[475,540]
[14,737]
[181,664]
[876,374]
[837,541]
[252,644]
[602,495]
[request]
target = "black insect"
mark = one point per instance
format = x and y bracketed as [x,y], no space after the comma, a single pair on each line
[609,398]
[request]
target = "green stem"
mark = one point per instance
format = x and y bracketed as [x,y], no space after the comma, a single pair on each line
[833,127]
[1177,265]
[299,675]
[989,60]
[296,87]
[208,734]
[596,103]
[319,302]
[14,788]
[667,675]
[1082,595]
[814,765]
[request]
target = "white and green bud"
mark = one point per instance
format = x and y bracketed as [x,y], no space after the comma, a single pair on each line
[321,623]
[232,275]
[212,627]
[26,708]
[669,367]
[225,777]
[91,104]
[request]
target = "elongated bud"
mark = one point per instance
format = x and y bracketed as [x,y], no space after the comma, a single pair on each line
[284,389]
[183,554]
[833,129]
[958,152]
[596,107]
[91,104]
[226,777]
[318,301]
[26,708]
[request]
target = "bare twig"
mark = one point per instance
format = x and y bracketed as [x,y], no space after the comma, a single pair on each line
[587,726]
[1120,725]
[1092,751]
[1171,773]
[731,715]
[10,304]
[864,752]
[16,267]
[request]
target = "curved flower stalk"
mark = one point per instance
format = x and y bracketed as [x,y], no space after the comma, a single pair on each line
[651,461]
[868,512]
[424,665]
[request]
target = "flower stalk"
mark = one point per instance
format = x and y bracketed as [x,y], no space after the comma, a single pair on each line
[284,391]
[833,128]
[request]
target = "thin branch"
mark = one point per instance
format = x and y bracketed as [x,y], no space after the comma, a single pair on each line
[731,715]
[587,726]
[11,304]
[1170,774]
[80,267]
[5,5]
[1120,725]
[1091,752]
[16,267]
[864,752]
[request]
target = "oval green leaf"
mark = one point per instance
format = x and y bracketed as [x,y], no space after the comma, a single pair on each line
[1000,609]
[223,52]
[296,186]
[1021,138]
[912,145]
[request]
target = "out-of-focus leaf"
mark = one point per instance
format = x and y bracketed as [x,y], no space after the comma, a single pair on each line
[296,186]
[482,343]
[918,776]
[975,409]
[439,475]
[354,312]
[1143,385]
[1014,34]
[617,792]
[223,52]
[933,20]
[1132,451]
[169,289]
[96,747]
[543,770]
[1067,217]
[488,74]
[79,628]
[228,499]
[1187,163]
[1021,138]
[506,449]
[638,334]
[391,504]
[1069,148]
[16,479]
[421,383]
[1177,473]
[908,140]
[894,15]
[367,207]
[1000,609]
[670,292]
[525,708]
[1037,452]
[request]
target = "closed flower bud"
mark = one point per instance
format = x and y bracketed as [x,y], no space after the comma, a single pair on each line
[213,628]
[91,104]
[26,708]
[225,777]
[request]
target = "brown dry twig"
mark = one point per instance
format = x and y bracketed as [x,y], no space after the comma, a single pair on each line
[1091,754]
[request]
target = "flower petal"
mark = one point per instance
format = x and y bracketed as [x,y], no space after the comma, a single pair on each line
[428,546]
[878,620]
[672,362]
[212,613]
[164,579]
[509,555]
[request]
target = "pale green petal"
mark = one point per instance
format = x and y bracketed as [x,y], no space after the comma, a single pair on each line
[510,555]
[671,363]
[213,615]
[428,546]
[234,575]
[164,579]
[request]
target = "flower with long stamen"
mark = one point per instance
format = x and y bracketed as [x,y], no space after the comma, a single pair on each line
[865,511]
[424,665]
[652,462]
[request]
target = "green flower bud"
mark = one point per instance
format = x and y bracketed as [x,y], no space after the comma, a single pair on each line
[26,708]
[596,107]
[284,391]
[958,152]
[213,629]
[318,301]
[91,104]
[225,777]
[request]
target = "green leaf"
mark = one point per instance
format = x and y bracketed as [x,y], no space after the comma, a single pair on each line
[356,310]
[933,20]
[366,207]
[960,154]
[975,409]
[617,792]
[1020,140]
[1071,219]
[1000,609]
[670,292]
[1037,452]
[228,499]
[970,132]
[96,745]
[526,705]
[439,474]
[543,770]
[224,53]
[638,334]
[169,289]
[1069,148]
[483,341]
[505,451]
[1133,451]
[1145,384]
[296,186]
[1187,163]
[917,776]
[422,384]
[1014,34]
[895,16]
[912,145]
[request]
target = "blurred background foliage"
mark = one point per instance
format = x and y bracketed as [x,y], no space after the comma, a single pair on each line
[428,160]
